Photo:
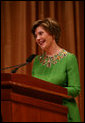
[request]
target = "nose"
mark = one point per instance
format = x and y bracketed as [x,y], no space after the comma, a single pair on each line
[37,38]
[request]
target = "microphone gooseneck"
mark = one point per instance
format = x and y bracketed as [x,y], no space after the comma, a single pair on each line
[29,59]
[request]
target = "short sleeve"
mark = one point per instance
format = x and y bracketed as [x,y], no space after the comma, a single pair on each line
[73,78]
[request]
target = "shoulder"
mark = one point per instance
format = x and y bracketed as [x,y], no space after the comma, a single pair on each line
[71,59]
[69,55]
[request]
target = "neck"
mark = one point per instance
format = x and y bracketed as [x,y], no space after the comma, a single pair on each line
[53,50]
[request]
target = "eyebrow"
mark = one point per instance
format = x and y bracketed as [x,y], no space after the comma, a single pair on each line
[39,32]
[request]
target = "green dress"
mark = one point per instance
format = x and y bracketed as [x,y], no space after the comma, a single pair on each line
[62,70]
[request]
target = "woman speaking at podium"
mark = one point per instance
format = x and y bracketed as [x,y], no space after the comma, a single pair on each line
[56,65]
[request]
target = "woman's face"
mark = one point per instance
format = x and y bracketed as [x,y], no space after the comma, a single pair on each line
[43,38]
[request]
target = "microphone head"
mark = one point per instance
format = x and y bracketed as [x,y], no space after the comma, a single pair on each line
[30,58]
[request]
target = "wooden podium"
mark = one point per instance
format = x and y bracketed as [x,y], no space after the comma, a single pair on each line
[28,99]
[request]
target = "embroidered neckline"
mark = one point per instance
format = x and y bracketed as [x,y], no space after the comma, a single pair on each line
[48,60]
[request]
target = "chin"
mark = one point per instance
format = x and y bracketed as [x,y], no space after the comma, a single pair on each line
[43,47]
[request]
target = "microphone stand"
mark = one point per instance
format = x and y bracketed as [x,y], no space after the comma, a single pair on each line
[10,67]
[29,59]
[14,70]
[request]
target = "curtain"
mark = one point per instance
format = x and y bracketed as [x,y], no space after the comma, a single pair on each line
[17,42]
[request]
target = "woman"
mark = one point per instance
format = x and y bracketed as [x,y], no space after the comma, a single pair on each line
[56,65]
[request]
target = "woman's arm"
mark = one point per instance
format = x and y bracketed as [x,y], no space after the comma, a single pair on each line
[73,76]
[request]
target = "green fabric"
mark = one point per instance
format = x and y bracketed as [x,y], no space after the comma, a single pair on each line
[64,73]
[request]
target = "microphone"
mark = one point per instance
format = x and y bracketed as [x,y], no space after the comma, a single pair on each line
[29,59]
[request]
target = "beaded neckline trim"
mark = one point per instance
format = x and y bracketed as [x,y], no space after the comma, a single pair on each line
[48,60]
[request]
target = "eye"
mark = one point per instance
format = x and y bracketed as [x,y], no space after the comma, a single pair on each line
[40,33]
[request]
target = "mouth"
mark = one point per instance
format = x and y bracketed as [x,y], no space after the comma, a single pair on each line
[41,42]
